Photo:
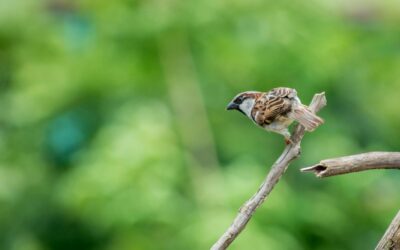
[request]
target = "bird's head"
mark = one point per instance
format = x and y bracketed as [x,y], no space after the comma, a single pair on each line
[244,102]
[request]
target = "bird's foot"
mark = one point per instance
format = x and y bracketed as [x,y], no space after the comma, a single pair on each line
[288,141]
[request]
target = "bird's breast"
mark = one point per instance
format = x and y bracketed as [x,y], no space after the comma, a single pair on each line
[279,123]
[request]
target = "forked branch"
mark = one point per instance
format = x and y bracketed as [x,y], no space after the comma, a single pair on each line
[291,152]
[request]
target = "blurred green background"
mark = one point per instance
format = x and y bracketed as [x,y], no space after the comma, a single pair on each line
[114,134]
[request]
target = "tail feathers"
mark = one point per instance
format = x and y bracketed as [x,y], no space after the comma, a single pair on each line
[305,117]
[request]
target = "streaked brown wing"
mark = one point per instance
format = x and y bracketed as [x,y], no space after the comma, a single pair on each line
[270,106]
[283,92]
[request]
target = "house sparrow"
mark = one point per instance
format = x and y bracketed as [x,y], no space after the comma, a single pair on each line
[275,110]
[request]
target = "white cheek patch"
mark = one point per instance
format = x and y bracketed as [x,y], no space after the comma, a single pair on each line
[247,106]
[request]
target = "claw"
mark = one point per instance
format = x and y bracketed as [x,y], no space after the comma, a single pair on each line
[288,141]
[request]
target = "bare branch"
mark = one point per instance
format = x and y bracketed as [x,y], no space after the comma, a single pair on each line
[391,239]
[291,152]
[362,162]
[355,163]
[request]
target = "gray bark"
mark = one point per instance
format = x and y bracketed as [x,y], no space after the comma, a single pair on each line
[362,162]
[391,239]
[355,163]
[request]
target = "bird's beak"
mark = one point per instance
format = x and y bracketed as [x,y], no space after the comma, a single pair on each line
[232,105]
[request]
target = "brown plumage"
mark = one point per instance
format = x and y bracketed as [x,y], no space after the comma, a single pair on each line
[275,110]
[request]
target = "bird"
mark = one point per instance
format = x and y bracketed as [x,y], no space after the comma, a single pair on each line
[275,110]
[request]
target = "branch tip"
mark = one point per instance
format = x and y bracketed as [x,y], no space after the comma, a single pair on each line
[355,163]
[318,169]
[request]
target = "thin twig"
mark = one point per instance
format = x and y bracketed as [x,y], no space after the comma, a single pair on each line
[291,152]
[391,239]
[355,163]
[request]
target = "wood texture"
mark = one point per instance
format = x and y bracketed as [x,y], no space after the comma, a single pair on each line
[391,239]
[355,163]
[290,153]
[362,162]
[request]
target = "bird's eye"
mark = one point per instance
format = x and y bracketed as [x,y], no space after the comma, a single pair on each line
[239,100]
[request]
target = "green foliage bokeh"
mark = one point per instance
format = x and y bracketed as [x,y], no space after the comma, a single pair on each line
[114,136]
